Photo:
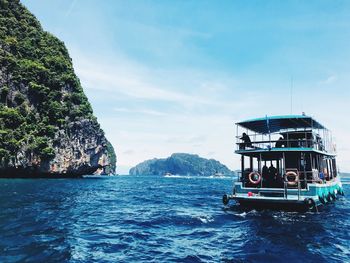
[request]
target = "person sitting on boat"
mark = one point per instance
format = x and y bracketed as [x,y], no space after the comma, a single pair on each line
[280,143]
[321,175]
[319,142]
[272,174]
[326,174]
[279,183]
[321,145]
[246,141]
[316,176]
[265,175]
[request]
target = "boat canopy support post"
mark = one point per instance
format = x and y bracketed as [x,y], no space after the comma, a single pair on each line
[284,172]
[302,158]
[237,138]
[242,168]
[305,176]
[328,171]
[334,167]
[312,163]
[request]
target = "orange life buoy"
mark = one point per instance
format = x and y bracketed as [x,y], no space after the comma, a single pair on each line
[289,174]
[252,177]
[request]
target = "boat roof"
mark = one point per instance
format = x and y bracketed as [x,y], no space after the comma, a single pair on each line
[270,124]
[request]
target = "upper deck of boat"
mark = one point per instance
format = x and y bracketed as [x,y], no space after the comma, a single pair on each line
[276,135]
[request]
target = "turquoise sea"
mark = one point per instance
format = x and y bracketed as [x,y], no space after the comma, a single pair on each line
[159,219]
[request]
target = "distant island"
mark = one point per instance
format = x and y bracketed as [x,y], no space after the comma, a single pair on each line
[181,164]
[47,126]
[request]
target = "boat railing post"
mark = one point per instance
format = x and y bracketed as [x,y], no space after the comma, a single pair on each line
[237,140]
[285,191]
[242,171]
[298,190]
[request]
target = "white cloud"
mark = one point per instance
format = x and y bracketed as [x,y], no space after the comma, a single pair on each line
[135,84]
[156,112]
[129,152]
[188,88]
[330,79]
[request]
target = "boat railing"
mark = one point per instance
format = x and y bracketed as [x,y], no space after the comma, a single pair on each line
[305,178]
[280,144]
[285,186]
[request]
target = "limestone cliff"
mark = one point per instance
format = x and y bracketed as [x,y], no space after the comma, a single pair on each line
[47,127]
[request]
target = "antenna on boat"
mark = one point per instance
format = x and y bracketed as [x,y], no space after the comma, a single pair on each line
[291,95]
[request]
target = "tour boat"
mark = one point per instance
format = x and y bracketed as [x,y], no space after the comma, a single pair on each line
[287,162]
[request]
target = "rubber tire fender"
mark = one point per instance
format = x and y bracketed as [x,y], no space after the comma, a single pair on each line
[333,196]
[310,202]
[225,199]
[321,198]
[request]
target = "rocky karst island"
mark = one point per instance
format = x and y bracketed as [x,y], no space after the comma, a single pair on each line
[181,164]
[47,126]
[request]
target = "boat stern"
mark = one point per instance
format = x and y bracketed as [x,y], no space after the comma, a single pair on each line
[310,198]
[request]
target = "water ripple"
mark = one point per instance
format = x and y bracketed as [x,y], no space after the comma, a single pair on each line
[138,219]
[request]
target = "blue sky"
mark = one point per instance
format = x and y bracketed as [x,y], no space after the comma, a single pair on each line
[174,76]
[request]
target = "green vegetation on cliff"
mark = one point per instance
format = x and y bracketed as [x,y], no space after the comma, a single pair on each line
[112,159]
[40,94]
[181,164]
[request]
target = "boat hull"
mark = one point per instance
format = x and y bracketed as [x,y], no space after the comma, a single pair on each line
[313,198]
[262,204]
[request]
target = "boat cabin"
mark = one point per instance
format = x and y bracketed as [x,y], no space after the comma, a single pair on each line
[285,151]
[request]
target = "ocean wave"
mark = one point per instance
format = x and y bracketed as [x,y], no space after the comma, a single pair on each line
[138,219]
[195,217]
